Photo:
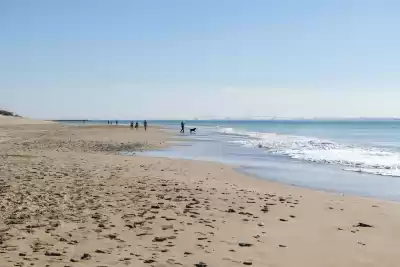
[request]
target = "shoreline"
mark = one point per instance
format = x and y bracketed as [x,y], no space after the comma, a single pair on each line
[259,181]
[328,177]
[69,199]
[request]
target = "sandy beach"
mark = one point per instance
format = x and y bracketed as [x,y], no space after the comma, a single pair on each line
[69,198]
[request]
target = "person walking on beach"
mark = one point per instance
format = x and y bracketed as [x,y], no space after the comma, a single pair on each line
[116,122]
[137,126]
[131,124]
[145,125]
[182,127]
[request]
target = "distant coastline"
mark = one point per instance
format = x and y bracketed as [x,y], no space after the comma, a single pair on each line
[276,119]
[8,113]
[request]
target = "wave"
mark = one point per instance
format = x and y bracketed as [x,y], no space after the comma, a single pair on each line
[352,157]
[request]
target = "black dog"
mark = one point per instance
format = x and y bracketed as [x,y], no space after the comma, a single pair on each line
[193,130]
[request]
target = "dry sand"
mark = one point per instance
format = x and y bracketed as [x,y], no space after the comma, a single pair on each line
[9,120]
[67,198]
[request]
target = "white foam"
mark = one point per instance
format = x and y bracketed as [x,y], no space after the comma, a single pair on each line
[354,158]
[226,130]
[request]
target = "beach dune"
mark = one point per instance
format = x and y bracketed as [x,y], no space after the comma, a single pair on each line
[68,197]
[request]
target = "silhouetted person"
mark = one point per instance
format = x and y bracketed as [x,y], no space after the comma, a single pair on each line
[182,127]
[116,122]
[108,122]
[136,125]
[131,124]
[145,125]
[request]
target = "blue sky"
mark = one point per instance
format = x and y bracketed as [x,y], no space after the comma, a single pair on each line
[181,59]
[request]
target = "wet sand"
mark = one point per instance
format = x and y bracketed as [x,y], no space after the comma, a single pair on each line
[68,198]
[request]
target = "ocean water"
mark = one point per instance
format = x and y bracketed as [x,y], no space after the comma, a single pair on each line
[358,146]
[359,157]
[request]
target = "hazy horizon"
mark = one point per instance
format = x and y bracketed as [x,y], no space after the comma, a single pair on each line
[156,59]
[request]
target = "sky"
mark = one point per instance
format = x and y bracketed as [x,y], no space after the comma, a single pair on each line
[180,59]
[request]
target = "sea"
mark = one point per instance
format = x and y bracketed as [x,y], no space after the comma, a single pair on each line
[357,157]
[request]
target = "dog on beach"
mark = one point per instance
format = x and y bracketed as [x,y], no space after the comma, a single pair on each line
[193,130]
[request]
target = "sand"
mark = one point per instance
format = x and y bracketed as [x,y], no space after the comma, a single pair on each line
[9,120]
[68,198]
